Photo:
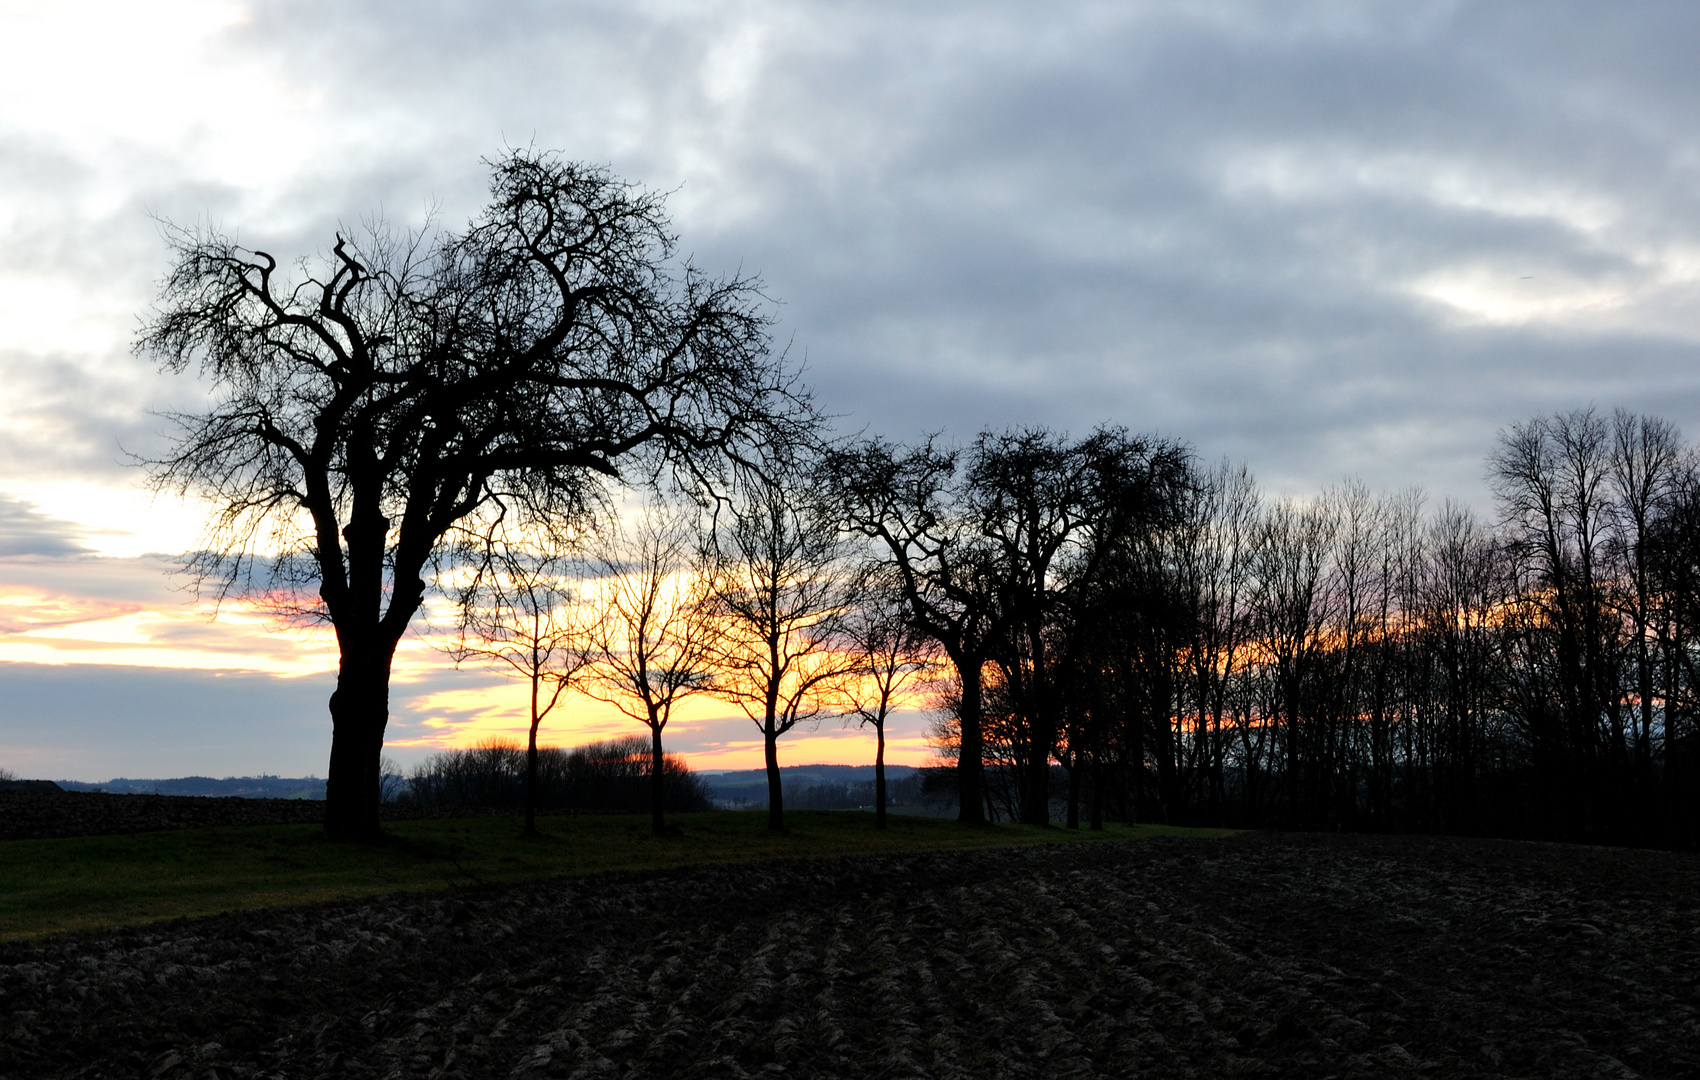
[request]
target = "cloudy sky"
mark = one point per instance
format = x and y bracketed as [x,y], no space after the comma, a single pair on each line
[1330,239]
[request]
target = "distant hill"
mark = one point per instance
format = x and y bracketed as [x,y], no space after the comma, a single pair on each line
[246,787]
[823,787]
[29,785]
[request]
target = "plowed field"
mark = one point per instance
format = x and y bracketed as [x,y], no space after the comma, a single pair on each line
[1254,956]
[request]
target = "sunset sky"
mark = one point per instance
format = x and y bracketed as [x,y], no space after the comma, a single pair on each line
[1332,240]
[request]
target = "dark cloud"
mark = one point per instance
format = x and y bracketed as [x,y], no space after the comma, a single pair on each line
[1258,227]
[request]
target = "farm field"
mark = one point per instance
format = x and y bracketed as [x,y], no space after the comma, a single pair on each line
[1253,955]
[85,883]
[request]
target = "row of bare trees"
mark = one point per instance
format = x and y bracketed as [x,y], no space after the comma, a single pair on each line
[463,409]
[753,601]
[1134,635]
[1110,628]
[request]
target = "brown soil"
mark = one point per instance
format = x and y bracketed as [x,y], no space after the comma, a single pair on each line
[29,815]
[1256,956]
[26,815]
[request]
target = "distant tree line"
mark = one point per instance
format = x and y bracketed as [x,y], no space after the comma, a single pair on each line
[905,791]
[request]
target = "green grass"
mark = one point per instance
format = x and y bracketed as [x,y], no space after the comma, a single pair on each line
[101,882]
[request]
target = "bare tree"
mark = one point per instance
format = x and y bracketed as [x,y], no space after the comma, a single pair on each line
[519,611]
[1158,626]
[1645,456]
[1029,497]
[1464,592]
[1550,475]
[1215,527]
[367,404]
[891,656]
[780,592]
[1293,610]
[907,503]
[654,643]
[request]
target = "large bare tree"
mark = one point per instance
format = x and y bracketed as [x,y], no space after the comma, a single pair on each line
[906,502]
[365,404]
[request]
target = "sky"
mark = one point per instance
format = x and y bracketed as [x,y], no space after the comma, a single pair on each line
[1330,240]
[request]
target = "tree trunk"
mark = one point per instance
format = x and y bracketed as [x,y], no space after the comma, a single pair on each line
[879,777]
[1074,793]
[1673,821]
[1036,799]
[970,766]
[1135,734]
[531,765]
[359,714]
[775,797]
[657,781]
[360,705]
[1097,795]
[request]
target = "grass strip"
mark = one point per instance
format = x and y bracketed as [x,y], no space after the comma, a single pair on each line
[101,882]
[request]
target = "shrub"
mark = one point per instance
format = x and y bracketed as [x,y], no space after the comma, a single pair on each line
[608,777]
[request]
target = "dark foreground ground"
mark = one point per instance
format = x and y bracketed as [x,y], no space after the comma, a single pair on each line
[30,815]
[1255,956]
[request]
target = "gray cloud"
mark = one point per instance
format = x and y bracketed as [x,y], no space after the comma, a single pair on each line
[1215,220]
[95,722]
[146,581]
[24,530]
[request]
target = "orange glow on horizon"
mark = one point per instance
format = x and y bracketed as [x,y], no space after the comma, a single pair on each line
[65,614]
[706,732]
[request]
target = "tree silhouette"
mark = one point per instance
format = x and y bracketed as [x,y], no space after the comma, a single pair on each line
[780,591]
[890,656]
[365,406]
[907,502]
[520,611]
[652,645]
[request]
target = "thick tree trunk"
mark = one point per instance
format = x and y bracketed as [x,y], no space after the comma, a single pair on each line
[657,782]
[531,785]
[1042,729]
[1135,765]
[775,797]
[1673,821]
[366,643]
[359,714]
[970,765]
[1036,800]
[879,777]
